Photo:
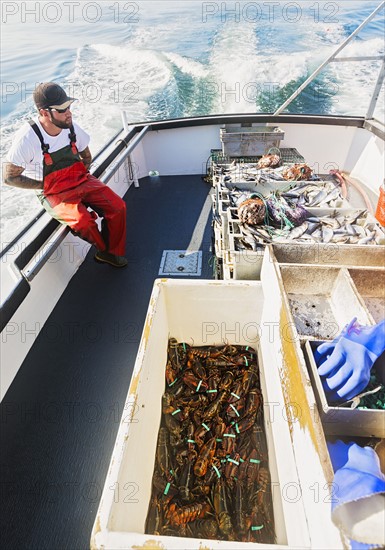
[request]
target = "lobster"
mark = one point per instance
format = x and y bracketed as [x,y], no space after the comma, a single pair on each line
[231,468]
[254,402]
[237,392]
[205,528]
[228,441]
[163,456]
[245,424]
[198,369]
[214,408]
[227,381]
[196,384]
[186,480]
[189,512]
[250,379]
[164,486]
[200,433]
[222,509]
[205,457]
[170,374]
[240,510]
[167,403]
[237,409]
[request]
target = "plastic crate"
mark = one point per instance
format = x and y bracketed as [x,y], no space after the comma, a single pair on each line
[241,141]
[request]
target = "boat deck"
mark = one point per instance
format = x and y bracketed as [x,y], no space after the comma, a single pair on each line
[61,414]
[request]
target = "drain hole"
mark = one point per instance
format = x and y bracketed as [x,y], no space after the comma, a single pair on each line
[180,268]
[181,255]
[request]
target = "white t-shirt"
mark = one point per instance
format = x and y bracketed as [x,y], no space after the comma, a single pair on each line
[26,148]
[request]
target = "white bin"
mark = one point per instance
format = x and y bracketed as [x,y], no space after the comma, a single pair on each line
[203,313]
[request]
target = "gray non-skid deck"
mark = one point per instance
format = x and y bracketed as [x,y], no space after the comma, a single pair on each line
[61,414]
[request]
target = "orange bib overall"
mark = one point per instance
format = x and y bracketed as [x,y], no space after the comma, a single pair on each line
[69,189]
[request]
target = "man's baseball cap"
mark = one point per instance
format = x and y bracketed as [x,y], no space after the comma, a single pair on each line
[50,94]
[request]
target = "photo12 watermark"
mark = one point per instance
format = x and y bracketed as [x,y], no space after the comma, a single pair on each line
[126,13]
[253,12]
[119,92]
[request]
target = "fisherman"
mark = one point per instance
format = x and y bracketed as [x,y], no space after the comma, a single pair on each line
[56,164]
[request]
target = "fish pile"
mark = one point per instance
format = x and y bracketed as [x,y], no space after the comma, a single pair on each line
[211,476]
[323,194]
[315,195]
[337,228]
[265,170]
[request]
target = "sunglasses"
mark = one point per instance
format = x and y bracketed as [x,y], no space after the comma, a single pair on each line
[60,111]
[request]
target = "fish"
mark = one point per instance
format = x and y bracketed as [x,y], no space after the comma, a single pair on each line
[321,196]
[367,239]
[298,231]
[312,226]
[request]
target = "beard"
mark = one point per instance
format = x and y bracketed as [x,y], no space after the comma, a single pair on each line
[59,123]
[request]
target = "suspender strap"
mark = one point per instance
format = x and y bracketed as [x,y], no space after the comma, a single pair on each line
[44,146]
[72,137]
[72,134]
[36,129]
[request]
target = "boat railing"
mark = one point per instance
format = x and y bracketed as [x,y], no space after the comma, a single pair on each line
[334,59]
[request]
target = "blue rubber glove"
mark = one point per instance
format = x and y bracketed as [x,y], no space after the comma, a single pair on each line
[344,364]
[358,489]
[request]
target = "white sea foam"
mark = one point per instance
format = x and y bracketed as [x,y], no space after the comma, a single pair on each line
[186,65]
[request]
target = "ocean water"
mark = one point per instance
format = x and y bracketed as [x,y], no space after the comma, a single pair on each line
[167,59]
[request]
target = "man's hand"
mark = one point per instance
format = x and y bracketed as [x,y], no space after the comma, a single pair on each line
[12,176]
[86,157]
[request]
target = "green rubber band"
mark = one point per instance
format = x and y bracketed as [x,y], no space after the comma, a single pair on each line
[246,361]
[218,440]
[190,441]
[172,383]
[184,346]
[167,488]
[256,527]
[199,385]
[205,427]
[241,460]
[228,435]
[211,391]
[176,412]
[235,395]
[172,472]
[233,461]
[217,471]
[247,348]
[234,409]
[255,461]
[237,428]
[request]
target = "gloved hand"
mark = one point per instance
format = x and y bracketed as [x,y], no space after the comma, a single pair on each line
[358,493]
[344,364]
